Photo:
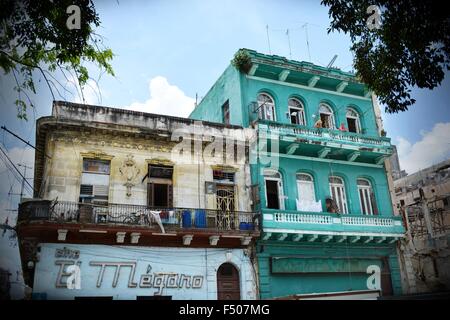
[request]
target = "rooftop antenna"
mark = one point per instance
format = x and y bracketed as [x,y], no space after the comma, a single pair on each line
[289,43]
[268,39]
[332,61]
[307,40]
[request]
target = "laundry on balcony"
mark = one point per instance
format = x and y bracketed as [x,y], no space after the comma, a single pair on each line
[309,205]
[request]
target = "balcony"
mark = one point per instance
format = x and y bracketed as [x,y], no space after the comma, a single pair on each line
[326,227]
[136,219]
[322,142]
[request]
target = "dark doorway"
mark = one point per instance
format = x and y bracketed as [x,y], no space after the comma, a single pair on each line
[351,123]
[386,281]
[160,194]
[273,199]
[228,283]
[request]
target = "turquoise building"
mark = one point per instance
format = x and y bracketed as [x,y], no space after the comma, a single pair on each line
[318,176]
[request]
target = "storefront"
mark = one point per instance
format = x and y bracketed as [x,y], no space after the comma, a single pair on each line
[317,270]
[66,271]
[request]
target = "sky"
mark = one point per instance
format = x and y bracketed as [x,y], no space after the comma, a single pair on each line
[169,51]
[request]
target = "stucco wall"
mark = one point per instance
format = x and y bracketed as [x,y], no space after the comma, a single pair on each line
[202,263]
[65,167]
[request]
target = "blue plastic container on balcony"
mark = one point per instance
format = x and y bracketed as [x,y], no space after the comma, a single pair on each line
[250,226]
[243,226]
[200,218]
[186,218]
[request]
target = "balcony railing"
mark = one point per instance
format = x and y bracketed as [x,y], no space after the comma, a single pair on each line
[137,215]
[329,223]
[326,134]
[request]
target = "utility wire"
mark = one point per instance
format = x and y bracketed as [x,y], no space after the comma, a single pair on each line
[26,142]
[14,166]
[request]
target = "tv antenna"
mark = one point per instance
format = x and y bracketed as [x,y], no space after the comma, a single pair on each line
[305,26]
[330,64]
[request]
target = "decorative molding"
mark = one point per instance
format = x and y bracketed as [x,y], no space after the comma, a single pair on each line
[160,161]
[130,171]
[96,154]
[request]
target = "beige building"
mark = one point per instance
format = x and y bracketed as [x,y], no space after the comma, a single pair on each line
[166,198]
[423,198]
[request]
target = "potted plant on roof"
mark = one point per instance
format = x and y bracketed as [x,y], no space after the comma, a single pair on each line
[242,61]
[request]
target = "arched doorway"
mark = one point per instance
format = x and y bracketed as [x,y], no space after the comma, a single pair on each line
[228,283]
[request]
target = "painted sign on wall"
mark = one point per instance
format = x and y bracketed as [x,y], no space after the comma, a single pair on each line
[121,272]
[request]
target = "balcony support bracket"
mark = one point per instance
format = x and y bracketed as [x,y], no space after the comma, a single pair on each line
[253,69]
[135,237]
[282,236]
[120,237]
[368,239]
[352,156]
[380,160]
[341,86]
[323,152]
[354,239]
[380,240]
[312,81]
[312,237]
[213,240]
[267,236]
[292,147]
[283,75]
[62,234]
[187,239]
[297,237]
[245,241]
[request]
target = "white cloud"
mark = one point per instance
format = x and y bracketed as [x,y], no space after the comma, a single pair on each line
[431,149]
[165,99]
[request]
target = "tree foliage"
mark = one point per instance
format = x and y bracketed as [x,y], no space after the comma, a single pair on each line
[411,47]
[34,37]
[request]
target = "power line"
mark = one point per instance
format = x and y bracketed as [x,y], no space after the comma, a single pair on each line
[26,142]
[14,166]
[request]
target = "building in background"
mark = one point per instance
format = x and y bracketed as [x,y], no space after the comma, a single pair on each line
[319,176]
[129,205]
[397,172]
[424,200]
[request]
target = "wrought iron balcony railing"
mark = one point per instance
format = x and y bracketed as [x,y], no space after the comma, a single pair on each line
[137,215]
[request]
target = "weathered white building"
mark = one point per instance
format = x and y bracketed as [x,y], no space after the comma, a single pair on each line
[423,198]
[132,205]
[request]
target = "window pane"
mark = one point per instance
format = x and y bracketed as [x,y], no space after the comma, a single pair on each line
[304,177]
[363,182]
[98,166]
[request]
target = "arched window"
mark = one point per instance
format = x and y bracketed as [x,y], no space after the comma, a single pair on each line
[296,112]
[274,189]
[266,107]
[306,193]
[337,190]
[326,116]
[353,122]
[366,197]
